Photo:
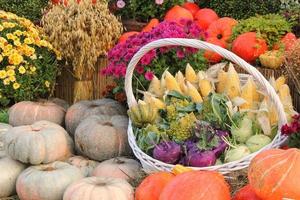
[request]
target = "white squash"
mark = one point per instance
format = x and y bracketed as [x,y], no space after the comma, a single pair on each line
[3,129]
[99,188]
[9,172]
[84,164]
[42,142]
[46,182]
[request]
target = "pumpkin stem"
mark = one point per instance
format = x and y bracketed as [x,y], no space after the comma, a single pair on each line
[219,36]
[119,161]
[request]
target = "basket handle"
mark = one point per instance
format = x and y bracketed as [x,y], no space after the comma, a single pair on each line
[270,91]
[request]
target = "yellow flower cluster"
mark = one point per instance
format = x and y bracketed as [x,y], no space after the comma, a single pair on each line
[18,46]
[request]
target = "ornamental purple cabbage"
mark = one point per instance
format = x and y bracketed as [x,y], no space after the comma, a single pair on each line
[167,152]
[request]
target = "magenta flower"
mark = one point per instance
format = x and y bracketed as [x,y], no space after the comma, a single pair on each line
[180,53]
[120,4]
[159,2]
[149,76]
[139,69]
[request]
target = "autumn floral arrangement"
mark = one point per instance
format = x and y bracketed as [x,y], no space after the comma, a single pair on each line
[28,62]
[142,10]
[293,131]
[156,61]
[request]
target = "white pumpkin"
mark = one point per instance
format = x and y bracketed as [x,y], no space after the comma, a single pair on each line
[46,182]
[3,129]
[84,164]
[41,142]
[102,137]
[83,109]
[9,172]
[96,188]
[119,167]
[28,112]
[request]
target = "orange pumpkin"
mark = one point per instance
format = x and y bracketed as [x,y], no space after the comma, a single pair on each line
[177,13]
[196,185]
[274,174]
[126,35]
[212,56]
[249,47]
[192,7]
[152,24]
[204,17]
[246,193]
[221,29]
[287,42]
[151,186]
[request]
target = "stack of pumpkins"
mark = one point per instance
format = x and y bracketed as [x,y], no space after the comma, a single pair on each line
[37,154]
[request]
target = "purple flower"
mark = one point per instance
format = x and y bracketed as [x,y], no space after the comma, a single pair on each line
[149,76]
[120,4]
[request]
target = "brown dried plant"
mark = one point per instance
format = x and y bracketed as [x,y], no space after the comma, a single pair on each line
[82,32]
[292,63]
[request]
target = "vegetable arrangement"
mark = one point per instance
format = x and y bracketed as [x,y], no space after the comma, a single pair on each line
[206,118]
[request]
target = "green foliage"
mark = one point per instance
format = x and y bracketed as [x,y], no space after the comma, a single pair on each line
[143,10]
[238,9]
[4,116]
[292,13]
[30,9]
[271,27]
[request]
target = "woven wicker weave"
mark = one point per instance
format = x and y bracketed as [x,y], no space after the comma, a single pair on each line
[150,164]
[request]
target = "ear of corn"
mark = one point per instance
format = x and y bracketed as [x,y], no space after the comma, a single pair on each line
[190,74]
[222,77]
[171,83]
[155,87]
[179,169]
[232,85]
[205,87]
[193,93]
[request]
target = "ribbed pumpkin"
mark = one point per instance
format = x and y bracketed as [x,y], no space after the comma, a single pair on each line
[41,142]
[28,112]
[46,182]
[287,42]
[60,102]
[3,129]
[197,185]
[93,188]
[152,186]
[83,109]
[9,172]
[119,167]
[84,164]
[274,174]
[212,56]
[178,13]
[102,137]
[152,24]
[127,35]
[221,29]
[192,7]
[246,193]
[204,17]
[249,46]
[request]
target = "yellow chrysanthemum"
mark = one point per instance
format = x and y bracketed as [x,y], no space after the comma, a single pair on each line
[18,33]
[1,58]
[3,40]
[17,43]
[1,28]
[3,74]
[22,70]
[43,43]
[8,25]
[10,72]
[33,57]
[28,51]
[33,68]
[28,41]
[6,81]
[8,67]
[16,86]
[12,78]
[10,36]
[15,59]
[47,83]
[7,47]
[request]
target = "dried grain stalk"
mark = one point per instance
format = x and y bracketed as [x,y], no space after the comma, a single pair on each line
[292,63]
[82,32]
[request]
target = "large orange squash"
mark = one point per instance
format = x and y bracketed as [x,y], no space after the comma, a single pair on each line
[249,46]
[204,17]
[274,174]
[246,193]
[221,29]
[152,24]
[197,185]
[287,42]
[177,13]
[192,7]
[151,186]
[126,35]
[212,56]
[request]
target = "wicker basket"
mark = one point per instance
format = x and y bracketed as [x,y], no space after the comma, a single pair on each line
[150,164]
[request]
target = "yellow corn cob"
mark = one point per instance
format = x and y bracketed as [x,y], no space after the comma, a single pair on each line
[222,76]
[193,93]
[205,87]
[179,169]
[247,94]
[171,83]
[232,85]
[190,74]
[155,87]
